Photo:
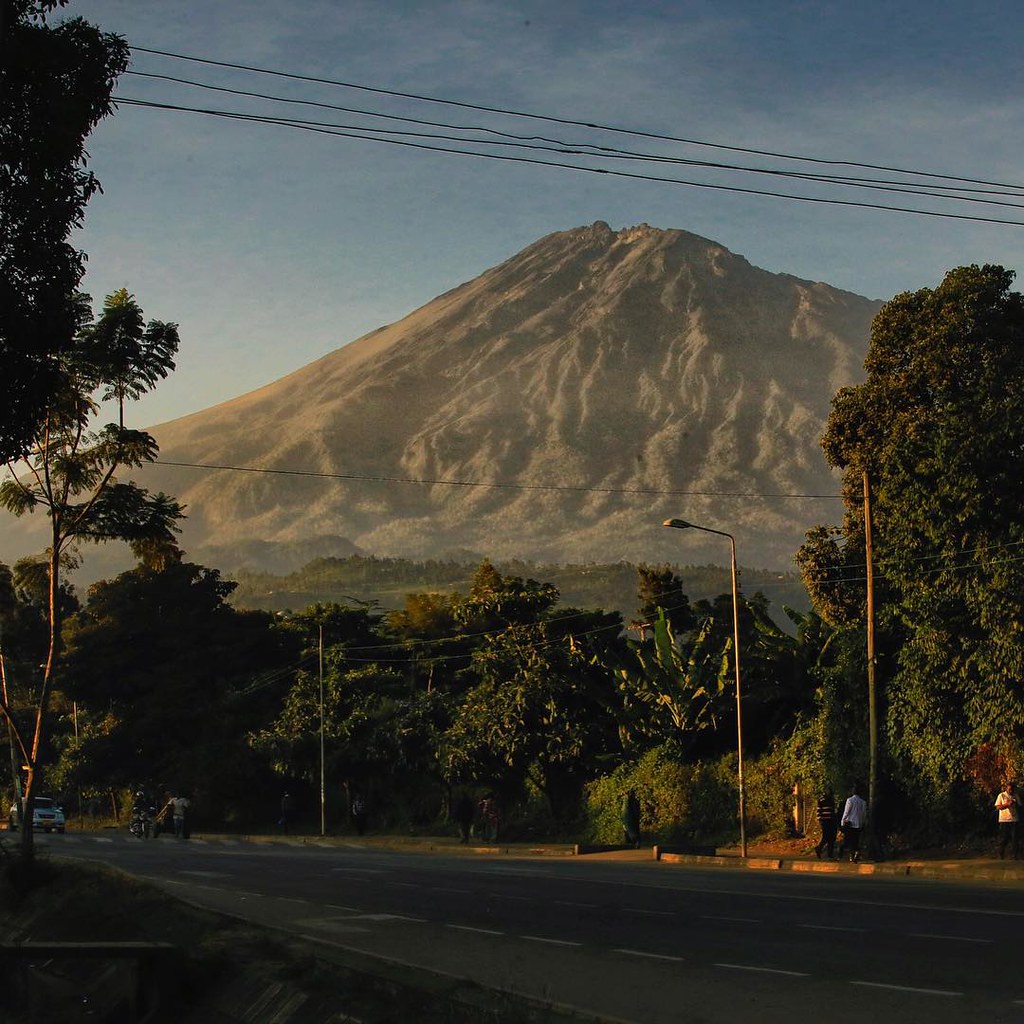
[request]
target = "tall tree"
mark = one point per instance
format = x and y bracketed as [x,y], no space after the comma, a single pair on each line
[56,82]
[938,425]
[172,711]
[658,587]
[69,474]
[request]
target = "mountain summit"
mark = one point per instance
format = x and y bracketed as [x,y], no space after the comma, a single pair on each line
[558,407]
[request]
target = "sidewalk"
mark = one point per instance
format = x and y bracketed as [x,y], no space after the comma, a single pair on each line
[790,857]
[785,856]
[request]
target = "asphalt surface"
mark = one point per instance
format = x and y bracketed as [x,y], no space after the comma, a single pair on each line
[621,936]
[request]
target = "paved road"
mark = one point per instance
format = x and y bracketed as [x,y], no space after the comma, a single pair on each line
[638,942]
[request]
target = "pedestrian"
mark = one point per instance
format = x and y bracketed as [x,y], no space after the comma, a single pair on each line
[462,812]
[489,817]
[359,813]
[855,816]
[827,821]
[179,812]
[1008,808]
[286,813]
[631,819]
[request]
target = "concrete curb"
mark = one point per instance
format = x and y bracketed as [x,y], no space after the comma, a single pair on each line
[947,870]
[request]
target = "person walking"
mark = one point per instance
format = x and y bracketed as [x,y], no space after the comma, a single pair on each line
[1008,808]
[359,813]
[179,812]
[631,819]
[286,813]
[827,821]
[489,817]
[855,816]
[463,814]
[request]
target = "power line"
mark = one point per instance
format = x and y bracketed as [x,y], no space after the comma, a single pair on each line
[617,129]
[610,172]
[504,485]
[579,147]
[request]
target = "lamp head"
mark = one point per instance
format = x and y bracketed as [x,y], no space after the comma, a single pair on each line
[677,524]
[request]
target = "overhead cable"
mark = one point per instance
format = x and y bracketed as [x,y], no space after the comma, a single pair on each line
[550,118]
[610,172]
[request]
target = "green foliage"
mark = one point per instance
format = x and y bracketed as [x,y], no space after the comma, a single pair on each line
[539,712]
[671,690]
[56,83]
[158,662]
[129,358]
[69,474]
[679,802]
[938,425]
[389,581]
[660,592]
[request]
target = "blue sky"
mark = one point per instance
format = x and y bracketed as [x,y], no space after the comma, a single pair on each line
[271,247]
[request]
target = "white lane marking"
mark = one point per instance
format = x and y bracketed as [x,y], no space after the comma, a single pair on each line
[571,903]
[338,906]
[798,897]
[404,885]
[951,938]
[101,839]
[649,956]
[907,988]
[388,917]
[206,874]
[736,920]
[648,913]
[518,871]
[291,899]
[478,931]
[831,928]
[549,942]
[762,970]
[360,871]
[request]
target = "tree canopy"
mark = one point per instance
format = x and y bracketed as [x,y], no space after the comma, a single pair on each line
[938,426]
[56,82]
[69,473]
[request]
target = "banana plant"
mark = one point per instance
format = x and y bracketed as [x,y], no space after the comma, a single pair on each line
[673,689]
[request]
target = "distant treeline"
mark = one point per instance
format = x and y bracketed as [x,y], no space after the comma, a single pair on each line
[385,582]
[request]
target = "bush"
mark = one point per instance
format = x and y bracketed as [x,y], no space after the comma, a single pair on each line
[679,802]
[768,781]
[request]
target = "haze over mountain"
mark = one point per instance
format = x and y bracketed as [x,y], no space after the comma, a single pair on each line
[582,380]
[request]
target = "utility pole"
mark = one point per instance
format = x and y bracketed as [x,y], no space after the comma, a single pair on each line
[323,787]
[15,774]
[872,691]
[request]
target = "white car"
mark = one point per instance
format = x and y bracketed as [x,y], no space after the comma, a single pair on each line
[46,816]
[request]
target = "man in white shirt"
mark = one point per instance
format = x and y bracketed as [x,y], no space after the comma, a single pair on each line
[855,816]
[1008,807]
[179,811]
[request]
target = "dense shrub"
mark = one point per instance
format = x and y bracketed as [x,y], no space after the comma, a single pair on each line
[678,802]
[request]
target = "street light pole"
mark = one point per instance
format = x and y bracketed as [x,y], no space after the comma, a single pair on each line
[682,524]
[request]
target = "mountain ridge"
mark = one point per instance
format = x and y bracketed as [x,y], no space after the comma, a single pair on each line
[557,407]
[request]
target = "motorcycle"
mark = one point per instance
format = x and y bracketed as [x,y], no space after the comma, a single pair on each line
[143,823]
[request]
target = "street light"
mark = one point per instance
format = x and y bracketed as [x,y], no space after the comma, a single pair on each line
[682,524]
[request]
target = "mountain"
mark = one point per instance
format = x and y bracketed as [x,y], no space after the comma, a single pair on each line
[558,407]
